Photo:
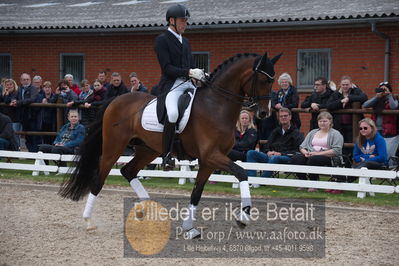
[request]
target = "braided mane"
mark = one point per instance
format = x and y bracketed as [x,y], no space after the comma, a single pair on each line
[223,66]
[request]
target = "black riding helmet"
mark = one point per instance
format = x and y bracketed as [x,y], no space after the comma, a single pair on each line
[177,11]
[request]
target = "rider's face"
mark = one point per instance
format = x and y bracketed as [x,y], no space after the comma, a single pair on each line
[181,24]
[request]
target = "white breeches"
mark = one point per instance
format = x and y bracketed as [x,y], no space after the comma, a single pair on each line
[173,96]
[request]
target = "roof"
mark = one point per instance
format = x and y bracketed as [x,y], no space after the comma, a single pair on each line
[42,15]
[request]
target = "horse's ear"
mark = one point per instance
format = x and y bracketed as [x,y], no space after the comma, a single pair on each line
[276,58]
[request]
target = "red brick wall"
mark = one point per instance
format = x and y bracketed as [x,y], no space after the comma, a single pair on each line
[355,51]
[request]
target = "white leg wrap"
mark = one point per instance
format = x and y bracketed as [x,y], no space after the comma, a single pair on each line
[245,194]
[188,221]
[139,189]
[91,200]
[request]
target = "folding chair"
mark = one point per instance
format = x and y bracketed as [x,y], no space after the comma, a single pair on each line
[392,148]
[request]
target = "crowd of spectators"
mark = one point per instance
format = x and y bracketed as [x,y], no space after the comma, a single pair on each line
[87,96]
[324,143]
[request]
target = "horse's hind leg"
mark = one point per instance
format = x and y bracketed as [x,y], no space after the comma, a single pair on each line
[144,155]
[110,154]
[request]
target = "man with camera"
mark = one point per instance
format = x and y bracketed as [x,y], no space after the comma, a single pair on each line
[384,100]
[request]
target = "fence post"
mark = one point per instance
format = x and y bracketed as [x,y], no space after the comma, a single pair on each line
[355,120]
[60,115]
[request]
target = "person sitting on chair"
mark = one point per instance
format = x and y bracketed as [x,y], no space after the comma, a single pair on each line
[370,150]
[69,137]
[282,144]
[245,137]
[320,145]
[177,67]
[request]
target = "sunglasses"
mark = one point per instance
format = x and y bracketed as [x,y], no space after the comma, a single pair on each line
[363,128]
[384,83]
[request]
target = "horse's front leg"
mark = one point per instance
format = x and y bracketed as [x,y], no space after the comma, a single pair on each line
[246,204]
[221,161]
[188,226]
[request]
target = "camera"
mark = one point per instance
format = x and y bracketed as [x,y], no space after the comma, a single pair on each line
[378,90]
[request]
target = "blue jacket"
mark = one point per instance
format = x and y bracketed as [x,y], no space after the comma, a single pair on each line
[377,147]
[75,137]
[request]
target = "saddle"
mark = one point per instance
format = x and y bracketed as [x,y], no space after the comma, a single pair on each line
[150,122]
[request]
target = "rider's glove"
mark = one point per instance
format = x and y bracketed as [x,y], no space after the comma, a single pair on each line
[197,73]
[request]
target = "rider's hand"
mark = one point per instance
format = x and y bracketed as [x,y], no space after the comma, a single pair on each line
[197,73]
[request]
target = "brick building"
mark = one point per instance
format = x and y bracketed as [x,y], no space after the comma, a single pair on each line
[359,38]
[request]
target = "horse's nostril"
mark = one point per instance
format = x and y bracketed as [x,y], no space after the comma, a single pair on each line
[262,114]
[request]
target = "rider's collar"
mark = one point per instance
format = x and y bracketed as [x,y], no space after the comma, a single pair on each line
[178,36]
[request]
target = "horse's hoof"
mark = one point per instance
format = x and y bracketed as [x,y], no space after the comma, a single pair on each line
[192,234]
[240,224]
[90,225]
[91,228]
[244,218]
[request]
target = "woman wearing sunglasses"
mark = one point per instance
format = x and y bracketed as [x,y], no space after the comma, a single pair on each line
[370,149]
[384,100]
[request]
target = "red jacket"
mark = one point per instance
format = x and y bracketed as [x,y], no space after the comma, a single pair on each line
[388,122]
[76,89]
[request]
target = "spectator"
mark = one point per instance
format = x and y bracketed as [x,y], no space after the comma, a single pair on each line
[267,125]
[72,86]
[116,88]
[64,91]
[135,83]
[47,116]
[287,96]
[10,93]
[27,94]
[69,137]
[317,100]
[370,150]
[85,114]
[245,137]
[319,147]
[384,100]
[282,144]
[95,99]
[65,95]
[37,83]
[344,98]
[8,139]
[102,78]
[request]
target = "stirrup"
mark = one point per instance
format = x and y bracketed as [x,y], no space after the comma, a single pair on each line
[168,162]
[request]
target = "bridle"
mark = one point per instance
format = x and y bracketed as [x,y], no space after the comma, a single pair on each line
[249,101]
[255,98]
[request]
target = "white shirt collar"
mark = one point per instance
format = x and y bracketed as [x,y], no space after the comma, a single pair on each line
[178,36]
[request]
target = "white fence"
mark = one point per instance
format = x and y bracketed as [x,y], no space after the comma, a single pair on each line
[362,187]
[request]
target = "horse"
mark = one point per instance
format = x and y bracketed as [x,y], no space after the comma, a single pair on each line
[244,79]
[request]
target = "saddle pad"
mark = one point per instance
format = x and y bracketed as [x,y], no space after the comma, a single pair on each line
[149,120]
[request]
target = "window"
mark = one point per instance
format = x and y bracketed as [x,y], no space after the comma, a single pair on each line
[72,64]
[5,66]
[201,60]
[312,63]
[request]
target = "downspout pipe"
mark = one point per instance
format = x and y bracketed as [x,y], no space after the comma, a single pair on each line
[387,49]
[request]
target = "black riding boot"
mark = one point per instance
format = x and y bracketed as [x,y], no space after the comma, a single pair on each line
[168,163]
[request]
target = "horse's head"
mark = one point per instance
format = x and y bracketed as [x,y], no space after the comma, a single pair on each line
[259,89]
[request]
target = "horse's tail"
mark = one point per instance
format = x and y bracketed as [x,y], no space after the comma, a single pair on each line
[85,175]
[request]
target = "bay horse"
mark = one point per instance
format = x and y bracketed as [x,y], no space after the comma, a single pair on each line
[208,136]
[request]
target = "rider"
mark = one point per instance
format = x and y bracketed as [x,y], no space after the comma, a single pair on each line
[176,62]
